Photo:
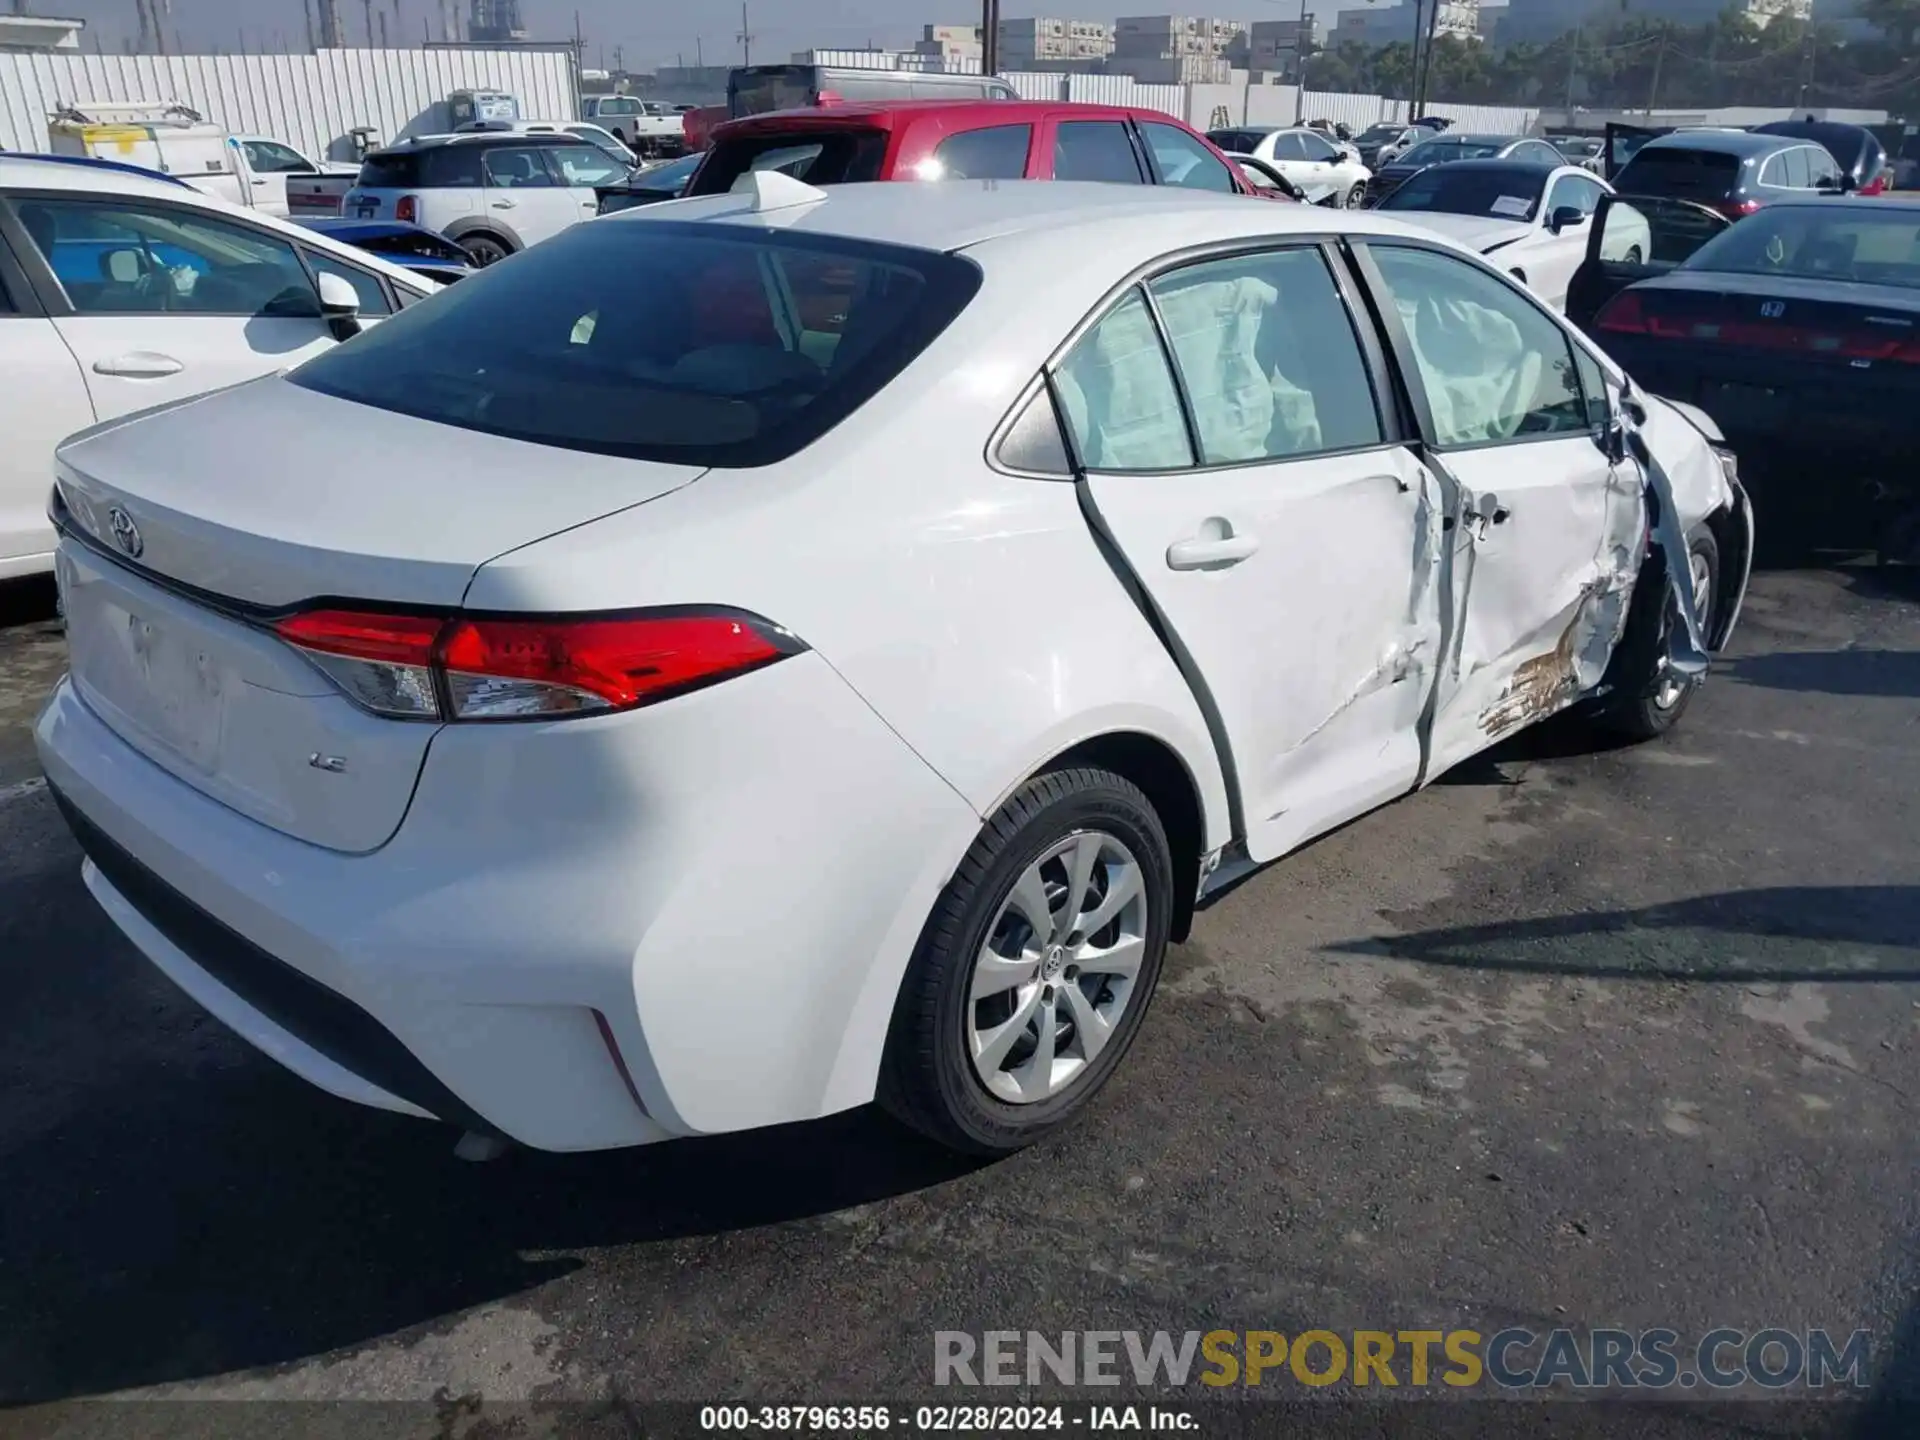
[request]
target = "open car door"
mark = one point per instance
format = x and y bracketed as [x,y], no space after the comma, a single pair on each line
[1623,143]
[1631,238]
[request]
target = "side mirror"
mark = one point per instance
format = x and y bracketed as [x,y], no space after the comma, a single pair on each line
[340,306]
[1566,217]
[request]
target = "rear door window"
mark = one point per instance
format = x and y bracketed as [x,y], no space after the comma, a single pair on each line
[513,167]
[998,152]
[1096,150]
[1183,160]
[693,344]
[584,165]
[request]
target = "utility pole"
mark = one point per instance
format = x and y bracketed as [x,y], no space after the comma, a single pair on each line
[368,6]
[1573,65]
[306,7]
[989,37]
[1423,73]
[383,29]
[745,36]
[1659,58]
[699,53]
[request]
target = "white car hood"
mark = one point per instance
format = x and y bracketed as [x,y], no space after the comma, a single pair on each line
[1479,233]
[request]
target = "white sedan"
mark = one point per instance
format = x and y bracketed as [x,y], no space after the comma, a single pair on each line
[1323,172]
[802,646]
[1530,220]
[121,289]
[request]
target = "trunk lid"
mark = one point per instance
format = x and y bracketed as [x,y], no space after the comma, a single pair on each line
[196,522]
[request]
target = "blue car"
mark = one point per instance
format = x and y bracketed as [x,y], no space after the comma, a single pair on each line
[427,253]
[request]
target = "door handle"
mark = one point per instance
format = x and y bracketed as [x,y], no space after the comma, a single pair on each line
[1483,511]
[260,183]
[140,365]
[504,204]
[1214,548]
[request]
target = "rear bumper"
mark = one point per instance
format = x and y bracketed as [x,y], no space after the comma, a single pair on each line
[1826,459]
[684,920]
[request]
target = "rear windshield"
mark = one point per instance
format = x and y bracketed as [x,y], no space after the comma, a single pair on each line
[698,344]
[442,166]
[1670,170]
[1819,243]
[819,157]
[1237,141]
[1440,152]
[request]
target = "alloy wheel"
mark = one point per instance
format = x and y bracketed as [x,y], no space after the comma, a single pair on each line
[1059,968]
[1673,686]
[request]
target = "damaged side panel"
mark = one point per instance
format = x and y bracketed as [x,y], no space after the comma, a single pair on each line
[1315,635]
[1543,564]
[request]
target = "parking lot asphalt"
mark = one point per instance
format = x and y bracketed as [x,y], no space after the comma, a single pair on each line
[1578,1037]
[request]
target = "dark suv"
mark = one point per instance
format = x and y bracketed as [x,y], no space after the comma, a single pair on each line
[1732,171]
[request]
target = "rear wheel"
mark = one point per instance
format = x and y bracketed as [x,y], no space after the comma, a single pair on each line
[1650,703]
[1036,967]
[485,250]
[1632,257]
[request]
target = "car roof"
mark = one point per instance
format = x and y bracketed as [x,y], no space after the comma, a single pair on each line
[886,113]
[959,214]
[414,144]
[1507,166]
[82,172]
[1723,142]
[1469,138]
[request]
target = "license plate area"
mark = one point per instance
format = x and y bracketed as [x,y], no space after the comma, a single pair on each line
[159,681]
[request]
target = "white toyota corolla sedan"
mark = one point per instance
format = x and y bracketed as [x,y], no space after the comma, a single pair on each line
[759,653]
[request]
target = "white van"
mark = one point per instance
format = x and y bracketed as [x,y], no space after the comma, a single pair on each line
[249,170]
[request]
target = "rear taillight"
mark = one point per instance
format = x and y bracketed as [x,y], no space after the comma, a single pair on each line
[1737,209]
[406,210]
[1877,186]
[1630,313]
[1624,314]
[475,667]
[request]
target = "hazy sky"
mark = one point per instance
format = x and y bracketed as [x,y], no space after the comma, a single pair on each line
[651,31]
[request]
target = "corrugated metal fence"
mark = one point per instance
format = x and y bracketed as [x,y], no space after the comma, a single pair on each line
[310,101]
[1204,105]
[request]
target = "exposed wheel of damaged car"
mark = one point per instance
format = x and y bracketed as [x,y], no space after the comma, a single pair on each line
[804,647]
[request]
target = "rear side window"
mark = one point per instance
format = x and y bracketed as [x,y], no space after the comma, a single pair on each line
[515,168]
[996,153]
[1237,142]
[821,157]
[1691,174]
[1182,160]
[1095,150]
[698,344]
[443,167]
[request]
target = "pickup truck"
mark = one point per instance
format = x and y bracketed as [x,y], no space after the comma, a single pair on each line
[646,127]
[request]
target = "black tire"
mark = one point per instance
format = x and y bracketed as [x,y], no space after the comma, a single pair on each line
[1356,198]
[1632,257]
[928,1080]
[1638,710]
[485,250]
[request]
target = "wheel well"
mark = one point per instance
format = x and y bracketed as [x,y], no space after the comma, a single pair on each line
[1163,777]
[481,232]
[1729,538]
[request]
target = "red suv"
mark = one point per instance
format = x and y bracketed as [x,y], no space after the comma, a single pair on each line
[969,140]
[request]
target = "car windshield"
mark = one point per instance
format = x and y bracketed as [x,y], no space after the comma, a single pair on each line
[1500,194]
[1819,243]
[1379,134]
[680,342]
[1439,152]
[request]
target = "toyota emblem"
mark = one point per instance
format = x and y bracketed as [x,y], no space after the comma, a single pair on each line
[126,534]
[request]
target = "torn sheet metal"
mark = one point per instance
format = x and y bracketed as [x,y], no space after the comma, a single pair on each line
[1550,682]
